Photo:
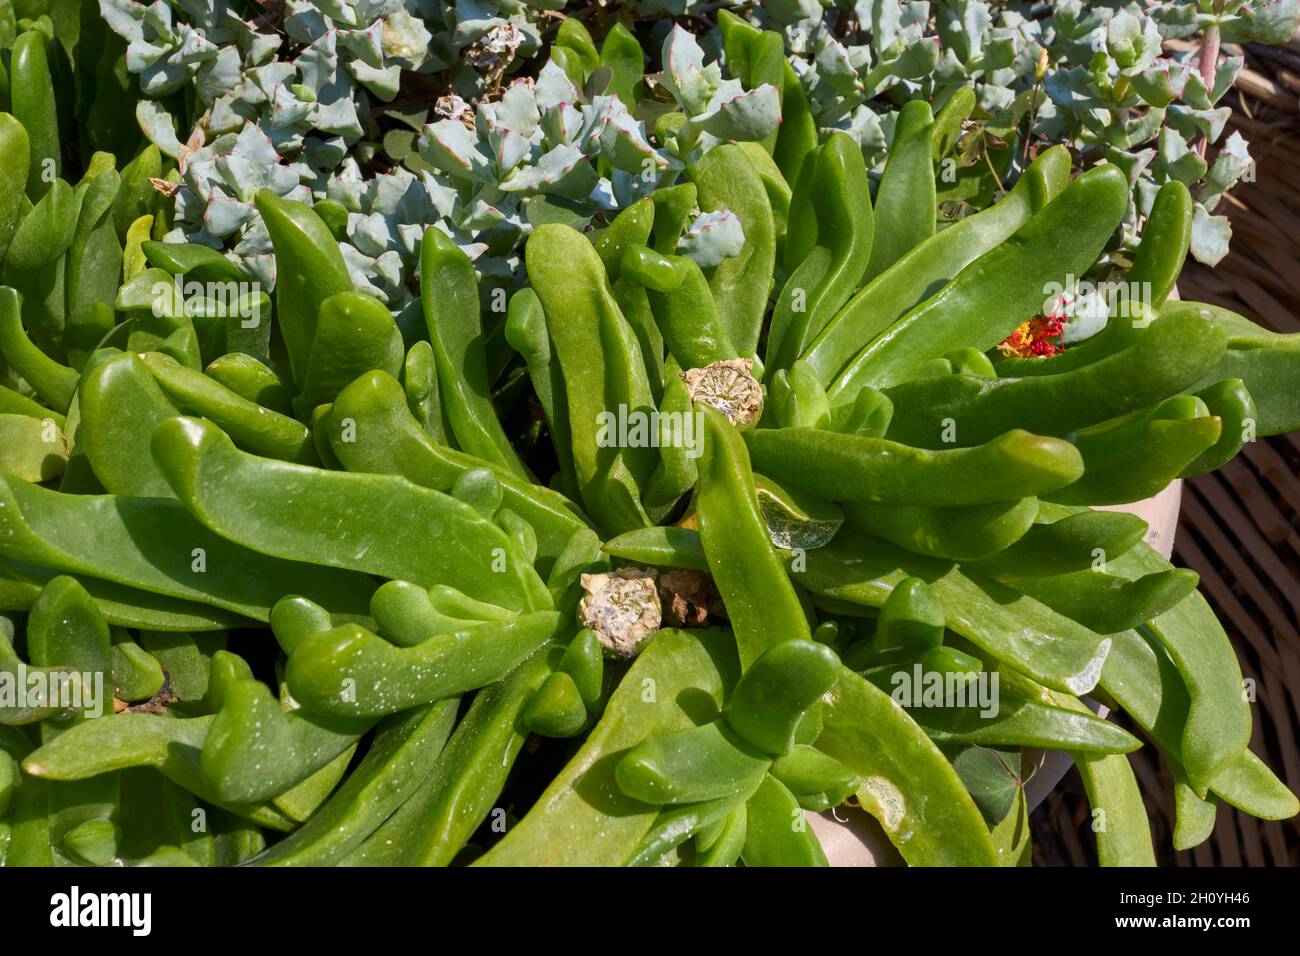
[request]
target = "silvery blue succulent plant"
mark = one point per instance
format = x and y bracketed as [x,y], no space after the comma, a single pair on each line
[544,138]
[1092,75]
[283,101]
[298,118]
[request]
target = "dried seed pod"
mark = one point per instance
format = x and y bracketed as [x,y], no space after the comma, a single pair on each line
[622,608]
[730,387]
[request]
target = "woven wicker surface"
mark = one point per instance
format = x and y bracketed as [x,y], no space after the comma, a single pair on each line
[1240,527]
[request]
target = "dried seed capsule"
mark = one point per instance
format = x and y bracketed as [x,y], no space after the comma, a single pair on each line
[728,386]
[622,608]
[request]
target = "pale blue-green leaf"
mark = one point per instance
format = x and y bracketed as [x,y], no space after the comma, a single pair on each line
[224,215]
[452,148]
[305,22]
[1161,84]
[383,82]
[287,109]
[554,87]
[1178,159]
[364,44]
[834,68]
[338,116]
[748,117]
[623,142]
[713,237]
[159,126]
[1189,122]
[1263,21]
[509,147]
[219,75]
[405,38]
[552,168]
[517,109]
[124,17]
[1210,236]
[685,76]
[1225,74]
[371,234]
[1233,160]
